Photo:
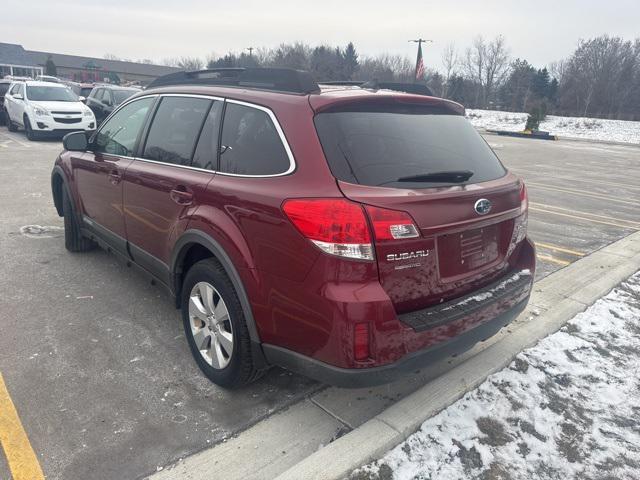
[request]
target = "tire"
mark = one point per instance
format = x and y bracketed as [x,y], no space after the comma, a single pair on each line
[73,239]
[31,135]
[10,125]
[3,118]
[236,368]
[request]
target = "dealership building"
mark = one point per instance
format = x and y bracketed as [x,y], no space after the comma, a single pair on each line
[16,60]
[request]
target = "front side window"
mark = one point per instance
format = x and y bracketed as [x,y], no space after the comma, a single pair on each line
[119,134]
[175,129]
[250,143]
[50,94]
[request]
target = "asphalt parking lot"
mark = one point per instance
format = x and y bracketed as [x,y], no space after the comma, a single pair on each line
[94,357]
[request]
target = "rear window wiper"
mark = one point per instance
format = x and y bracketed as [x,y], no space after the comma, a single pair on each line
[454,176]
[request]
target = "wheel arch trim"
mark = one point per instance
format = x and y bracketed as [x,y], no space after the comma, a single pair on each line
[197,237]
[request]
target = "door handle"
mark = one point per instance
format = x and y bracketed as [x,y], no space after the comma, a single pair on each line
[181,195]
[115,177]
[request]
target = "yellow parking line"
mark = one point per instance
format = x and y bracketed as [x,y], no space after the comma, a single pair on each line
[22,460]
[559,249]
[606,217]
[548,258]
[583,193]
[592,220]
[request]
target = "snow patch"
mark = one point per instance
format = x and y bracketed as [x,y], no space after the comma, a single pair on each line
[577,127]
[568,407]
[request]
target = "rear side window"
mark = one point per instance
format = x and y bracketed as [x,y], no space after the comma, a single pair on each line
[206,155]
[3,88]
[118,135]
[377,146]
[175,129]
[250,143]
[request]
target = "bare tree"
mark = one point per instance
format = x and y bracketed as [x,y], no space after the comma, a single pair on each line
[449,64]
[170,62]
[110,56]
[486,64]
[190,63]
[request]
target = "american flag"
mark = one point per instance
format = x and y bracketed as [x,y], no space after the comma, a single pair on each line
[419,65]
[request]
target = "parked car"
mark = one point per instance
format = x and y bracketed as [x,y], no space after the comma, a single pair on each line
[348,234]
[4,86]
[44,108]
[82,90]
[104,99]
[47,78]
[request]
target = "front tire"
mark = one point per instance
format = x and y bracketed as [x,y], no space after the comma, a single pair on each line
[10,125]
[73,239]
[215,326]
[31,135]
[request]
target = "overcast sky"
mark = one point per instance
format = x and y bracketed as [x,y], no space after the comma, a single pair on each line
[540,31]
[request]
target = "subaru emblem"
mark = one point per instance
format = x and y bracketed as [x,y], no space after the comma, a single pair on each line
[482,206]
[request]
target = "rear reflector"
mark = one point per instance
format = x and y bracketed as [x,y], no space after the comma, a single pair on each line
[361,341]
[335,225]
[391,224]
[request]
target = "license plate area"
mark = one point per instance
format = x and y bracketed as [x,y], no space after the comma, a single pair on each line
[465,252]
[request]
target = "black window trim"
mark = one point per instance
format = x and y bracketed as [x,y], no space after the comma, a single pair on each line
[145,131]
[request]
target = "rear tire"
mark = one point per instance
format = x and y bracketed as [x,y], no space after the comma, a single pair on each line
[31,135]
[73,239]
[207,325]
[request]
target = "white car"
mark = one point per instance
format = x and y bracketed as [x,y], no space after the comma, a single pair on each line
[45,108]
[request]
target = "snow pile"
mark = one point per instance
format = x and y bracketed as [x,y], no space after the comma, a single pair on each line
[567,408]
[577,127]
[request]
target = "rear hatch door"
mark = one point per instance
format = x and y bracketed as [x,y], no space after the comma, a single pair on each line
[427,161]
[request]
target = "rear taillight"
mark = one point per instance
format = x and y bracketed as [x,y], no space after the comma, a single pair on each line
[361,341]
[391,224]
[524,198]
[336,225]
[521,221]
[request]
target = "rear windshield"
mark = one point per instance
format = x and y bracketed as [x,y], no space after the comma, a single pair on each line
[377,147]
[120,96]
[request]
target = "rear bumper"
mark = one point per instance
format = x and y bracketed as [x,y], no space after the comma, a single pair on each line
[363,377]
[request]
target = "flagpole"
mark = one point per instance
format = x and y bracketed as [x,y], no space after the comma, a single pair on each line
[419,70]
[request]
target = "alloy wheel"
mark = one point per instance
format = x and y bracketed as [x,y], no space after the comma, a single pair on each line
[210,325]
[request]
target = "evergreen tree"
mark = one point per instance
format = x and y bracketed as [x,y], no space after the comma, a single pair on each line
[350,62]
[50,67]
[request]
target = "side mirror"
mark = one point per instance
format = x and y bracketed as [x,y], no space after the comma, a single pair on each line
[75,142]
[17,96]
[82,99]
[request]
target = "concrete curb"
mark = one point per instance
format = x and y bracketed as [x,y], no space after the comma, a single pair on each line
[558,297]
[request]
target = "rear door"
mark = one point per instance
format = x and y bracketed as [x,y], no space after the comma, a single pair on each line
[387,157]
[165,183]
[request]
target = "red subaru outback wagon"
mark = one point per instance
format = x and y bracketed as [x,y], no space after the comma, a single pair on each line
[347,233]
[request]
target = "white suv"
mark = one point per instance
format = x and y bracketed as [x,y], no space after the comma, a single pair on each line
[45,108]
